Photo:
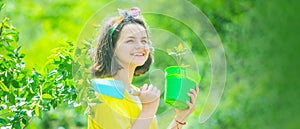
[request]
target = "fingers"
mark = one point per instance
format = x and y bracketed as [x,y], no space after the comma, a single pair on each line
[144,87]
[147,88]
[193,96]
[153,89]
[191,104]
[149,95]
[197,89]
[150,87]
[193,91]
[138,93]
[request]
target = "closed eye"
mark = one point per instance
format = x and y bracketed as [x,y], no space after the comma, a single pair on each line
[129,41]
[144,41]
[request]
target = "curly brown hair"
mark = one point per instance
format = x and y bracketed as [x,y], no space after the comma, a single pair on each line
[103,54]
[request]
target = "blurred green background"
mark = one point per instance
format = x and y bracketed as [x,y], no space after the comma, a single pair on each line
[260,39]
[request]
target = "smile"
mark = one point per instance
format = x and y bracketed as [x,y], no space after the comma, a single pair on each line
[138,54]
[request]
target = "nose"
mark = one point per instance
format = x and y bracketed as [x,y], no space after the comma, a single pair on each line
[140,45]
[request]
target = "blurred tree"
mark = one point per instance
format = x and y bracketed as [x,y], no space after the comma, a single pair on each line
[46,23]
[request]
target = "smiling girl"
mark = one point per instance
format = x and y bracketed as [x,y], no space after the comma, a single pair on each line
[124,50]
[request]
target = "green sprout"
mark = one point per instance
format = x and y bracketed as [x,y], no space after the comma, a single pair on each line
[178,52]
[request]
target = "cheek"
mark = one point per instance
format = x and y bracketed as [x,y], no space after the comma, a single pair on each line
[122,51]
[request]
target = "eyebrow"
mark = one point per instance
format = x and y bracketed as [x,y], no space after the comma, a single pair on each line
[132,37]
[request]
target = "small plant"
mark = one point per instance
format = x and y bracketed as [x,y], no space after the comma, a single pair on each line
[178,52]
[179,80]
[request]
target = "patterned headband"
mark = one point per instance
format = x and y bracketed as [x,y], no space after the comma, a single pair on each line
[134,13]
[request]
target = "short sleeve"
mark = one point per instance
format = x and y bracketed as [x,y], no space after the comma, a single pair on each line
[114,113]
[105,117]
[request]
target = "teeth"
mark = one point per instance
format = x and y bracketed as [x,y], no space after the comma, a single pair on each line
[138,54]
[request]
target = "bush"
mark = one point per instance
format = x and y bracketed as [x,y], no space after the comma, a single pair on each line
[25,93]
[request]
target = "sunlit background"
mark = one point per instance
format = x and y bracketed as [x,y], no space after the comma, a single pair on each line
[258,38]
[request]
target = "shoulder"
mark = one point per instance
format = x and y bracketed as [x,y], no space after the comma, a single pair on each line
[108,87]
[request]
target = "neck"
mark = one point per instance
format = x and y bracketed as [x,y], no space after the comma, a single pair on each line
[125,75]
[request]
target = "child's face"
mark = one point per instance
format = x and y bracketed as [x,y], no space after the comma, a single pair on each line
[132,48]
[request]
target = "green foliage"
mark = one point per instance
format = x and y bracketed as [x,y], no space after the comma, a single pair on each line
[82,77]
[44,24]
[27,93]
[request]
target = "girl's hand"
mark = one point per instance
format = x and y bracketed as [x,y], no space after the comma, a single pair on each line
[149,96]
[181,115]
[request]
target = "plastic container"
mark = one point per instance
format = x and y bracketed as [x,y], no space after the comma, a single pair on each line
[179,81]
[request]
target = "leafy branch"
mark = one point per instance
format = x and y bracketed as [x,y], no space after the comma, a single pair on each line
[25,93]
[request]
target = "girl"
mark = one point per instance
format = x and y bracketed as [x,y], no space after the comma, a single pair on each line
[124,50]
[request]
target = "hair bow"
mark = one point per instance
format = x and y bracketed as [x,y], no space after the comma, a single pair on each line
[134,13]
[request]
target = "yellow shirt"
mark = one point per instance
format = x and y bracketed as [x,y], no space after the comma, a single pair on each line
[113,113]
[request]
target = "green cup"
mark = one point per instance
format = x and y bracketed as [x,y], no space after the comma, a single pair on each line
[179,81]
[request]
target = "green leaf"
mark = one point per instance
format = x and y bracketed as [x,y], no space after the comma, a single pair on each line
[16,51]
[17,125]
[3,121]
[47,96]
[38,111]
[22,55]
[46,85]
[35,73]
[53,72]
[24,121]
[12,98]
[2,6]
[179,48]
[78,109]
[62,56]
[15,84]
[3,87]
[6,113]
[55,103]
